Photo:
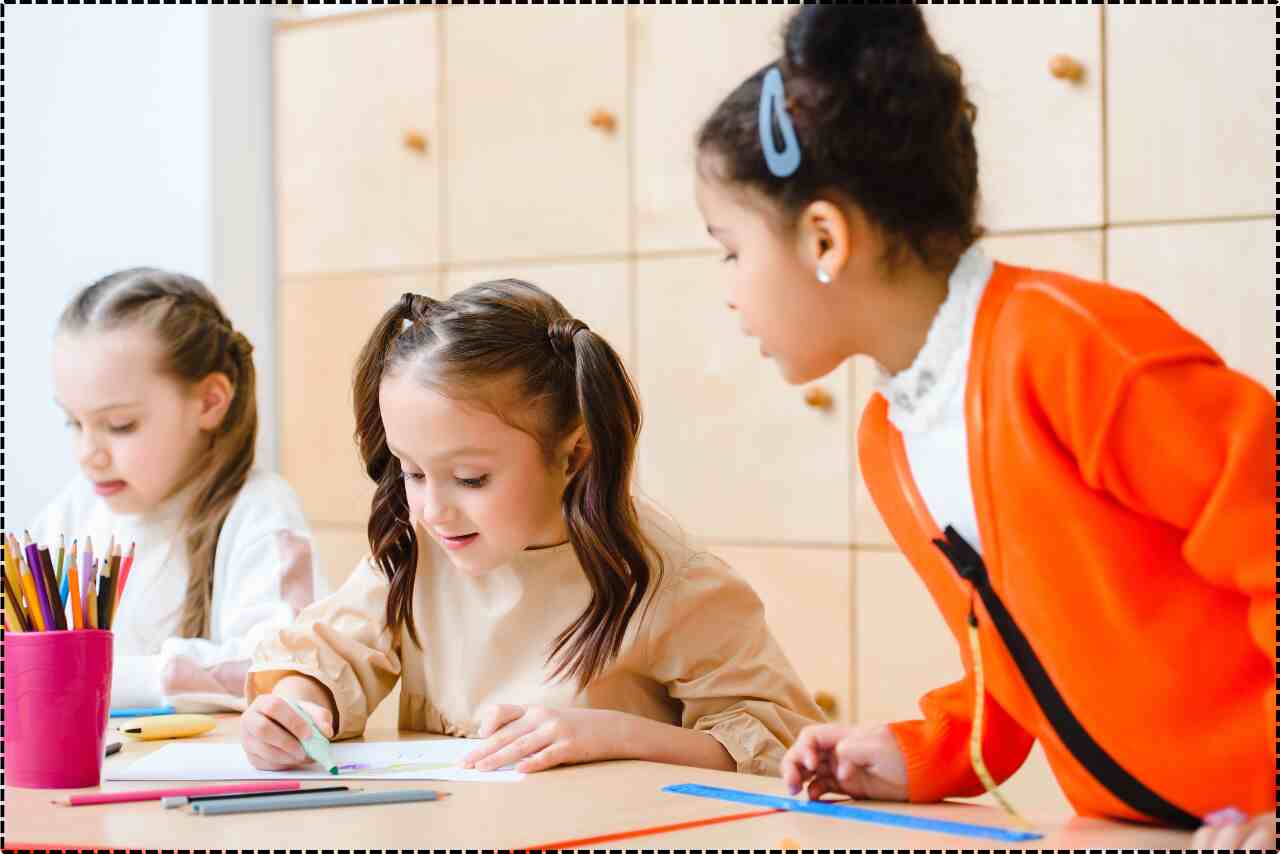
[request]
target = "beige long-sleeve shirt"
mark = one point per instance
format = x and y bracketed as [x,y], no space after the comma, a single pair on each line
[700,657]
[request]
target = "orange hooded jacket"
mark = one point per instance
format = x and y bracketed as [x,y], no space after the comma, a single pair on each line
[1119,472]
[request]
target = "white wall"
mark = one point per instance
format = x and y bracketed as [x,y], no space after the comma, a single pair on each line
[135,135]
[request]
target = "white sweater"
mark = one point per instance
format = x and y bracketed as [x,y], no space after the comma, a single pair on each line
[265,572]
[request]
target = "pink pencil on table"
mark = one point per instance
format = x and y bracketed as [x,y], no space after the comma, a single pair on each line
[183,792]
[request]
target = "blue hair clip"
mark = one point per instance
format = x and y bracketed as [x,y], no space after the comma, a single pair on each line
[773,102]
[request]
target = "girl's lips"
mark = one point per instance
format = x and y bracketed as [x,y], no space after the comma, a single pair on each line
[109,487]
[455,543]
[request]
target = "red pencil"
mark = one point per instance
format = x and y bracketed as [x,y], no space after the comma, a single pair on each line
[182,791]
[124,576]
[648,831]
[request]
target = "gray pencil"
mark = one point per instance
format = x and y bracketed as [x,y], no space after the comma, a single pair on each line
[306,802]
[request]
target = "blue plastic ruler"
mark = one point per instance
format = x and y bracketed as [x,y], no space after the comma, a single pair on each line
[852,813]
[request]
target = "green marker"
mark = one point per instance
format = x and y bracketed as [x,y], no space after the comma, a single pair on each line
[316,745]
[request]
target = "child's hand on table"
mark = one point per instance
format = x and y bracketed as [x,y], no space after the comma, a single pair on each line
[860,761]
[1231,829]
[536,738]
[272,732]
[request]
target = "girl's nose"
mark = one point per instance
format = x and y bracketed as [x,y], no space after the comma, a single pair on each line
[92,454]
[434,509]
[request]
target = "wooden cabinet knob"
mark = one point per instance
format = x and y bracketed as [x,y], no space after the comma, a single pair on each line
[826,701]
[603,120]
[1066,68]
[415,141]
[818,398]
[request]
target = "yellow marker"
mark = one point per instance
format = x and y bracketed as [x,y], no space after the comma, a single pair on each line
[169,726]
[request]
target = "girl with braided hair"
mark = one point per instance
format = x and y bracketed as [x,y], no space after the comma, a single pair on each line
[158,391]
[514,585]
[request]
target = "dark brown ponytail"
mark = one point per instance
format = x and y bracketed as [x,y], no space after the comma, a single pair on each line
[600,511]
[392,540]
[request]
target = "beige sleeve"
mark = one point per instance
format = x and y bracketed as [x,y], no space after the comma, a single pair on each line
[709,644]
[343,642]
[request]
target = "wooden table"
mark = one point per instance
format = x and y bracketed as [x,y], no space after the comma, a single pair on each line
[554,806]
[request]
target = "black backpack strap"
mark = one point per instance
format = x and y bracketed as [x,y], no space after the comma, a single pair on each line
[1127,788]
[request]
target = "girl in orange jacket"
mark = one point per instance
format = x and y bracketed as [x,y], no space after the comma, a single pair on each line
[1080,482]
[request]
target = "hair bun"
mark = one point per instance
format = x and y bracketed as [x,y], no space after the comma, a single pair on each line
[827,40]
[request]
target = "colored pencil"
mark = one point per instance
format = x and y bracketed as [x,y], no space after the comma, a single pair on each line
[73,587]
[87,560]
[51,586]
[13,611]
[88,570]
[91,596]
[113,591]
[183,800]
[33,597]
[647,831]
[124,577]
[11,566]
[66,577]
[186,791]
[62,556]
[306,801]
[104,589]
[37,576]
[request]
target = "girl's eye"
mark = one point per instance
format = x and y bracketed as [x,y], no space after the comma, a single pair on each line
[73,425]
[732,256]
[472,482]
[412,475]
[123,428]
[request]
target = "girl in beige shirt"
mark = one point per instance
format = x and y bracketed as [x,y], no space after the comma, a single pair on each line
[515,586]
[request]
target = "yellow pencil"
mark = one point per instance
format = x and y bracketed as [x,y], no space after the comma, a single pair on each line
[62,555]
[10,625]
[73,590]
[11,565]
[29,589]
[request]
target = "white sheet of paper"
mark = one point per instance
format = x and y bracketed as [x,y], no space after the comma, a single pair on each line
[196,761]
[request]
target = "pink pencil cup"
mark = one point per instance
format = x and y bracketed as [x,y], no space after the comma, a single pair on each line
[56,700]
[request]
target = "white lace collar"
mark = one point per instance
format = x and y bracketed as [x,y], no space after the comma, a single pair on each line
[918,395]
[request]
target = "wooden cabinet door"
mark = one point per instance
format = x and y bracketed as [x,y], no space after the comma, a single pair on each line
[808,603]
[1215,278]
[1190,112]
[597,293]
[324,322]
[354,191]
[528,174]
[904,648]
[729,449]
[1039,136]
[686,59]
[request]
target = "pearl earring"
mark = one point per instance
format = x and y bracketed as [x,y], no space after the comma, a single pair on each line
[823,276]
